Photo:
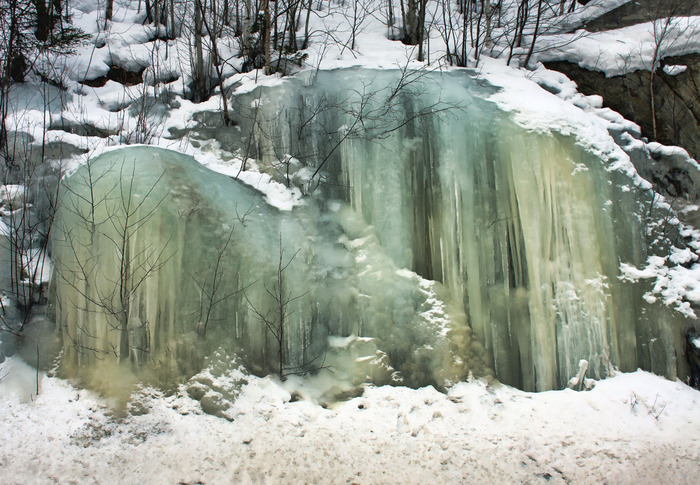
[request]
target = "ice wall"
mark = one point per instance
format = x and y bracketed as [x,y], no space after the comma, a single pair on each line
[525,230]
[159,262]
[436,238]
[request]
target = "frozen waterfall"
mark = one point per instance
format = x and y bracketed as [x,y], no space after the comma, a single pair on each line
[437,238]
[160,262]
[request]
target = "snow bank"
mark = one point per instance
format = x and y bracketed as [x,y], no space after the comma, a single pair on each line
[634,428]
[624,50]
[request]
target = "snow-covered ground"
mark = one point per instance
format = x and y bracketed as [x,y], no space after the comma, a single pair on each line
[625,50]
[633,428]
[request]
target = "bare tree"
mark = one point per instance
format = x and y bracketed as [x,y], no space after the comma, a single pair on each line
[140,121]
[213,27]
[32,190]
[669,28]
[667,32]
[101,222]
[276,318]
[361,9]
[376,113]
[540,4]
[413,23]
[309,4]
[109,10]
[267,34]
[30,219]
[28,29]
[517,33]
[369,112]
[210,291]
[468,29]
[200,65]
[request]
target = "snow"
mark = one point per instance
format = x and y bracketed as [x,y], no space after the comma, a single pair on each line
[677,285]
[669,151]
[633,428]
[568,113]
[276,194]
[12,196]
[674,70]
[625,50]
[38,265]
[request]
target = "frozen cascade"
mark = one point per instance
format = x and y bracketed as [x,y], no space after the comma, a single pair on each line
[161,262]
[526,230]
[437,238]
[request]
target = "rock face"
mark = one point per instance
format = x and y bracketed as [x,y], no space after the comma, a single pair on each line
[692,349]
[642,11]
[677,99]
[674,91]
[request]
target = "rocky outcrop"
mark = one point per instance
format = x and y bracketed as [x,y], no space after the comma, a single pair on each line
[673,118]
[676,96]
[639,11]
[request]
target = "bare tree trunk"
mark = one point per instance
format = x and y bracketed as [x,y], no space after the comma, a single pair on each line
[173,33]
[123,336]
[652,104]
[108,11]
[247,27]
[661,30]
[216,60]
[487,13]
[520,18]
[267,35]
[306,25]
[282,303]
[275,28]
[465,31]
[523,14]
[199,75]
[420,28]
[390,15]
[293,25]
[355,18]
[534,34]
